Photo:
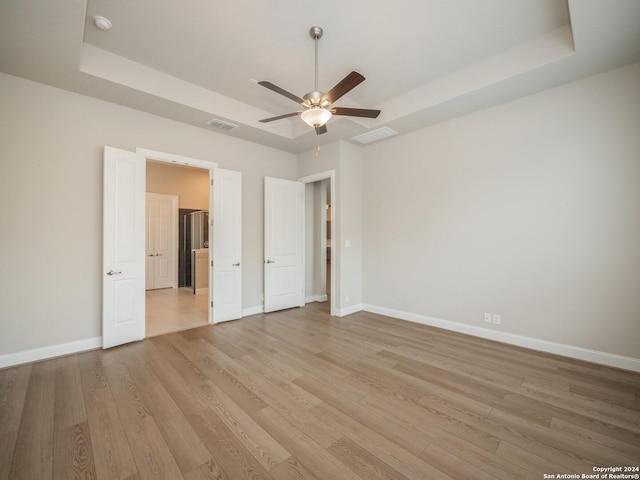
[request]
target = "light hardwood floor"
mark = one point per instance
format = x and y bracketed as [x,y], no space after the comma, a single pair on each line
[301,395]
[173,309]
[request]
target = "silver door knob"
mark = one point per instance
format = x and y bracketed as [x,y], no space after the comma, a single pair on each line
[269,261]
[111,272]
[236,264]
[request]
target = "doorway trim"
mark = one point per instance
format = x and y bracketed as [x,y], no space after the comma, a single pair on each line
[182,160]
[335,254]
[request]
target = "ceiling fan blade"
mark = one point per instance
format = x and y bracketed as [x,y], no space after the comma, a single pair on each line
[346,84]
[286,115]
[355,112]
[321,130]
[281,91]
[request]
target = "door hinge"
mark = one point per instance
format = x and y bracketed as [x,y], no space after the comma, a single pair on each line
[211,303]
[212,263]
[212,182]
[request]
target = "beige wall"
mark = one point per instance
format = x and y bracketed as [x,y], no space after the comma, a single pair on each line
[530,209]
[191,185]
[51,205]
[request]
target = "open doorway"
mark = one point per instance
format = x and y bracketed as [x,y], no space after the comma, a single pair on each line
[319,237]
[182,303]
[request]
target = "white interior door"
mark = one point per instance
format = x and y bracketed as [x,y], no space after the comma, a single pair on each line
[123,299]
[161,228]
[283,244]
[227,245]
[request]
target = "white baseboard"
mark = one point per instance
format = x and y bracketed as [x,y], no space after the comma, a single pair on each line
[595,356]
[315,298]
[52,351]
[341,312]
[202,291]
[246,312]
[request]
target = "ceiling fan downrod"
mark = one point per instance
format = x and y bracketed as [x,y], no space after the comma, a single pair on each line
[316,34]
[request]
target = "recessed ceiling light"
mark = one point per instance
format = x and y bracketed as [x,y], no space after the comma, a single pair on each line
[102,23]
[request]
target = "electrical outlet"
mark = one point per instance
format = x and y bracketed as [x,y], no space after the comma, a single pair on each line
[487,317]
[496,319]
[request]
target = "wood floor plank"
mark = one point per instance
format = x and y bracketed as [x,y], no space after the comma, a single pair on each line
[152,455]
[392,453]
[152,363]
[369,376]
[537,465]
[128,399]
[402,433]
[112,456]
[452,379]
[565,445]
[630,451]
[13,389]
[431,422]
[212,363]
[270,360]
[526,402]
[453,465]
[624,399]
[309,453]
[186,447]
[7,446]
[33,454]
[73,455]
[589,407]
[228,452]
[256,440]
[207,471]
[593,380]
[264,448]
[363,462]
[292,469]
[282,400]
[69,400]
[285,388]
[479,458]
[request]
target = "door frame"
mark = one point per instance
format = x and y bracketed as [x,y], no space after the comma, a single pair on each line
[335,254]
[181,160]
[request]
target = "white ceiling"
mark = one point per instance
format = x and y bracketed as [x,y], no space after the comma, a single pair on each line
[425,60]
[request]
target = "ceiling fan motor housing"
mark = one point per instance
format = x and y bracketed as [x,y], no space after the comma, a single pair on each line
[315,98]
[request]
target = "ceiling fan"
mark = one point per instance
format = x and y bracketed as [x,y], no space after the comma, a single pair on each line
[318,105]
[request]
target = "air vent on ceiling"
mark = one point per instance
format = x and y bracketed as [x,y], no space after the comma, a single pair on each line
[375,135]
[221,124]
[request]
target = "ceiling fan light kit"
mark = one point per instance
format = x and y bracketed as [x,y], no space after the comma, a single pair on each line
[318,110]
[316,116]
